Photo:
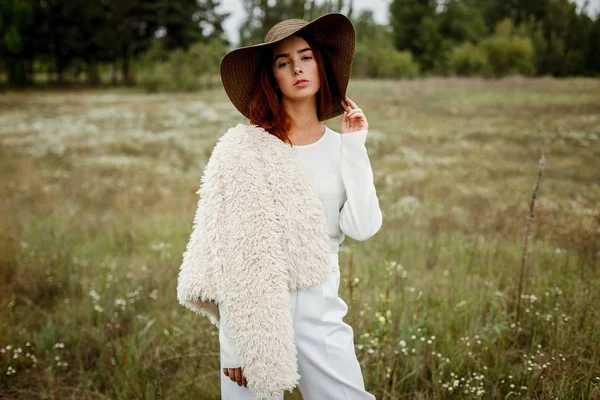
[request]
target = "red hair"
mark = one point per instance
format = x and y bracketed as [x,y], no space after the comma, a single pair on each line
[266,108]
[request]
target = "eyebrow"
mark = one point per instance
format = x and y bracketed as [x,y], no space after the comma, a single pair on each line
[288,54]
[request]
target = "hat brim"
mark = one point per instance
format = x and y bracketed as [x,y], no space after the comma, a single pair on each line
[336,38]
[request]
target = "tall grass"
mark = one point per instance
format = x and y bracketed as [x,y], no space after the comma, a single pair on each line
[98,194]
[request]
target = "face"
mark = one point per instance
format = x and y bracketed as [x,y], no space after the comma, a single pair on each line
[294,62]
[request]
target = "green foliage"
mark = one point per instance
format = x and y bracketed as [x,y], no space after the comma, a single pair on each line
[468,59]
[392,63]
[535,32]
[509,55]
[261,15]
[502,54]
[384,63]
[563,37]
[180,70]
[375,56]
[71,32]
[16,17]
[406,17]
[504,28]
[415,28]
[83,35]
[593,50]
[461,21]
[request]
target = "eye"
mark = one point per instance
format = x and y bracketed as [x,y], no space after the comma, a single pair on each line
[307,58]
[281,64]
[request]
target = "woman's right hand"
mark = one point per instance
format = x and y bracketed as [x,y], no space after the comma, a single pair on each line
[236,375]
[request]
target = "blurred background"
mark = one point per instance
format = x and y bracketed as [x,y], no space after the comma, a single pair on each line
[177,44]
[484,139]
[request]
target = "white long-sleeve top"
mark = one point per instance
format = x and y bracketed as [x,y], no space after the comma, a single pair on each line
[340,170]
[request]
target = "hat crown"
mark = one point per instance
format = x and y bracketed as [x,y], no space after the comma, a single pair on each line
[283,29]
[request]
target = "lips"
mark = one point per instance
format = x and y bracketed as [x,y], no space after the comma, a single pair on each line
[300,81]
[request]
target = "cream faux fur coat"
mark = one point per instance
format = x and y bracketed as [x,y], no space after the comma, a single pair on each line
[259,232]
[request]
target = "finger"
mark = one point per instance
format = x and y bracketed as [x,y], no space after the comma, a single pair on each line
[225,371]
[231,373]
[354,112]
[345,119]
[238,376]
[357,117]
[352,104]
[245,382]
[345,105]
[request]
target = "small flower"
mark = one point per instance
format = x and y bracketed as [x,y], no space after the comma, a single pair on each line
[95,296]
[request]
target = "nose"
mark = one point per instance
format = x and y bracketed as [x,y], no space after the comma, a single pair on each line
[297,70]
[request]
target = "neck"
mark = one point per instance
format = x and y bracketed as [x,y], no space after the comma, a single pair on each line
[305,122]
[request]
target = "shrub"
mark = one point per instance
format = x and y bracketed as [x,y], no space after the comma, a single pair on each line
[468,59]
[509,55]
[385,62]
[180,70]
[396,64]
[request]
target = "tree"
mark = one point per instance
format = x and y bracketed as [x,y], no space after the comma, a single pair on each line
[263,14]
[593,51]
[82,33]
[16,17]
[416,28]
[461,21]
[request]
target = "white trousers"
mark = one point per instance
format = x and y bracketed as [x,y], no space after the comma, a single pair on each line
[327,360]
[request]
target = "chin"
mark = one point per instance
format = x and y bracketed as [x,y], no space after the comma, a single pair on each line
[304,94]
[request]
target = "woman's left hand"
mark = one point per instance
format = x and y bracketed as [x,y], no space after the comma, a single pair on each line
[353,119]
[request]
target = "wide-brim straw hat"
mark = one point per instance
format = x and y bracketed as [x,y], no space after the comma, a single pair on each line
[335,35]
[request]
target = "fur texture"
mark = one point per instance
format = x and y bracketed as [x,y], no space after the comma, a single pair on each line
[259,232]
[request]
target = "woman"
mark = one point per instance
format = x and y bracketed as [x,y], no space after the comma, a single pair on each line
[291,189]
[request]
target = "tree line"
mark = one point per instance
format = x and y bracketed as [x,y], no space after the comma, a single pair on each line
[154,41]
[57,35]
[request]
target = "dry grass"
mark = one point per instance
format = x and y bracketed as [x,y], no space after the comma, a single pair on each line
[97,204]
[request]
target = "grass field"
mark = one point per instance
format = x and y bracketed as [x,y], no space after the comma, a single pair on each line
[98,195]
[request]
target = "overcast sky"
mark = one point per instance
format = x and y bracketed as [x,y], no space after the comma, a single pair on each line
[379,8]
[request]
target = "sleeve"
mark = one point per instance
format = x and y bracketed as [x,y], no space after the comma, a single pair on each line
[253,290]
[196,287]
[360,216]
[228,351]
